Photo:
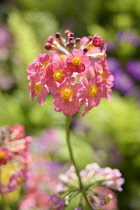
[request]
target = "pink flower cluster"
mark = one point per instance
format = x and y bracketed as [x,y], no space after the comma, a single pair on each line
[42,192]
[75,73]
[92,177]
[95,175]
[14,152]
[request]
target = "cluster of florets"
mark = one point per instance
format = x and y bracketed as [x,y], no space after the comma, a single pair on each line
[42,193]
[93,177]
[15,158]
[76,73]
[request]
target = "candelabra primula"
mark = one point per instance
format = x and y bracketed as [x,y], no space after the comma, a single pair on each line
[15,159]
[42,193]
[77,75]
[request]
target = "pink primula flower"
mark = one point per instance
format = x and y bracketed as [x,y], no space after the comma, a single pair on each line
[113,178]
[17,132]
[39,65]
[89,72]
[17,179]
[5,155]
[66,97]
[59,57]
[35,200]
[93,92]
[38,87]
[56,72]
[93,173]
[77,61]
[32,69]
[103,73]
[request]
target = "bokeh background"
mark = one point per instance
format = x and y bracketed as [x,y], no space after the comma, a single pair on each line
[110,133]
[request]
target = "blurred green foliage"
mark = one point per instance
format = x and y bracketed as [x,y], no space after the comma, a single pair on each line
[112,124]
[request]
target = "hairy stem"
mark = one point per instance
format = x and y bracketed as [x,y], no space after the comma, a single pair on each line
[67,124]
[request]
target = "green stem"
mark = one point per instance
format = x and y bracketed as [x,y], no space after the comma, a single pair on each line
[67,124]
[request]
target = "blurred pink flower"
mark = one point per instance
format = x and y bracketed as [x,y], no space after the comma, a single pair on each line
[5,155]
[38,87]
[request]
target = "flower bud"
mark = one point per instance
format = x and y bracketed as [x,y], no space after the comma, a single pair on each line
[97,41]
[50,39]
[85,50]
[58,35]
[67,32]
[48,46]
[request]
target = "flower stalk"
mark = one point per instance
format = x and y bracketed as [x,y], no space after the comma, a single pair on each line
[67,124]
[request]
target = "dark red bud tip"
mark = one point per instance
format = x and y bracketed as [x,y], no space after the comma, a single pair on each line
[71,39]
[48,46]
[77,39]
[71,34]
[67,31]
[90,38]
[71,43]
[50,39]
[97,41]
[58,35]
[85,50]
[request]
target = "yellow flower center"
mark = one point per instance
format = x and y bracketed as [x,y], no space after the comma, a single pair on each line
[107,199]
[20,180]
[62,57]
[58,75]
[2,155]
[76,60]
[45,64]
[66,93]
[102,74]
[93,90]
[37,88]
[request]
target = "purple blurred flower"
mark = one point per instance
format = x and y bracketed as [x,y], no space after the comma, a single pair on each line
[128,36]
[6,81]
[58,204]
[113,63]
[78,125]
[110,46]
[5,42]
[47,143]
[133,68]
[5,37]
[123,82]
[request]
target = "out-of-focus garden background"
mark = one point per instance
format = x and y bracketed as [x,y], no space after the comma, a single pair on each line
[110,133]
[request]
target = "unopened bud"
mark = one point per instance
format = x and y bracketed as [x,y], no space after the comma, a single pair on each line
[77,39]
[85,50]
[67,31]
[48,46]
[90,38]
[58,35]
[71,34]
[71,39]
[78,42]
[97,41]
[50,39]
